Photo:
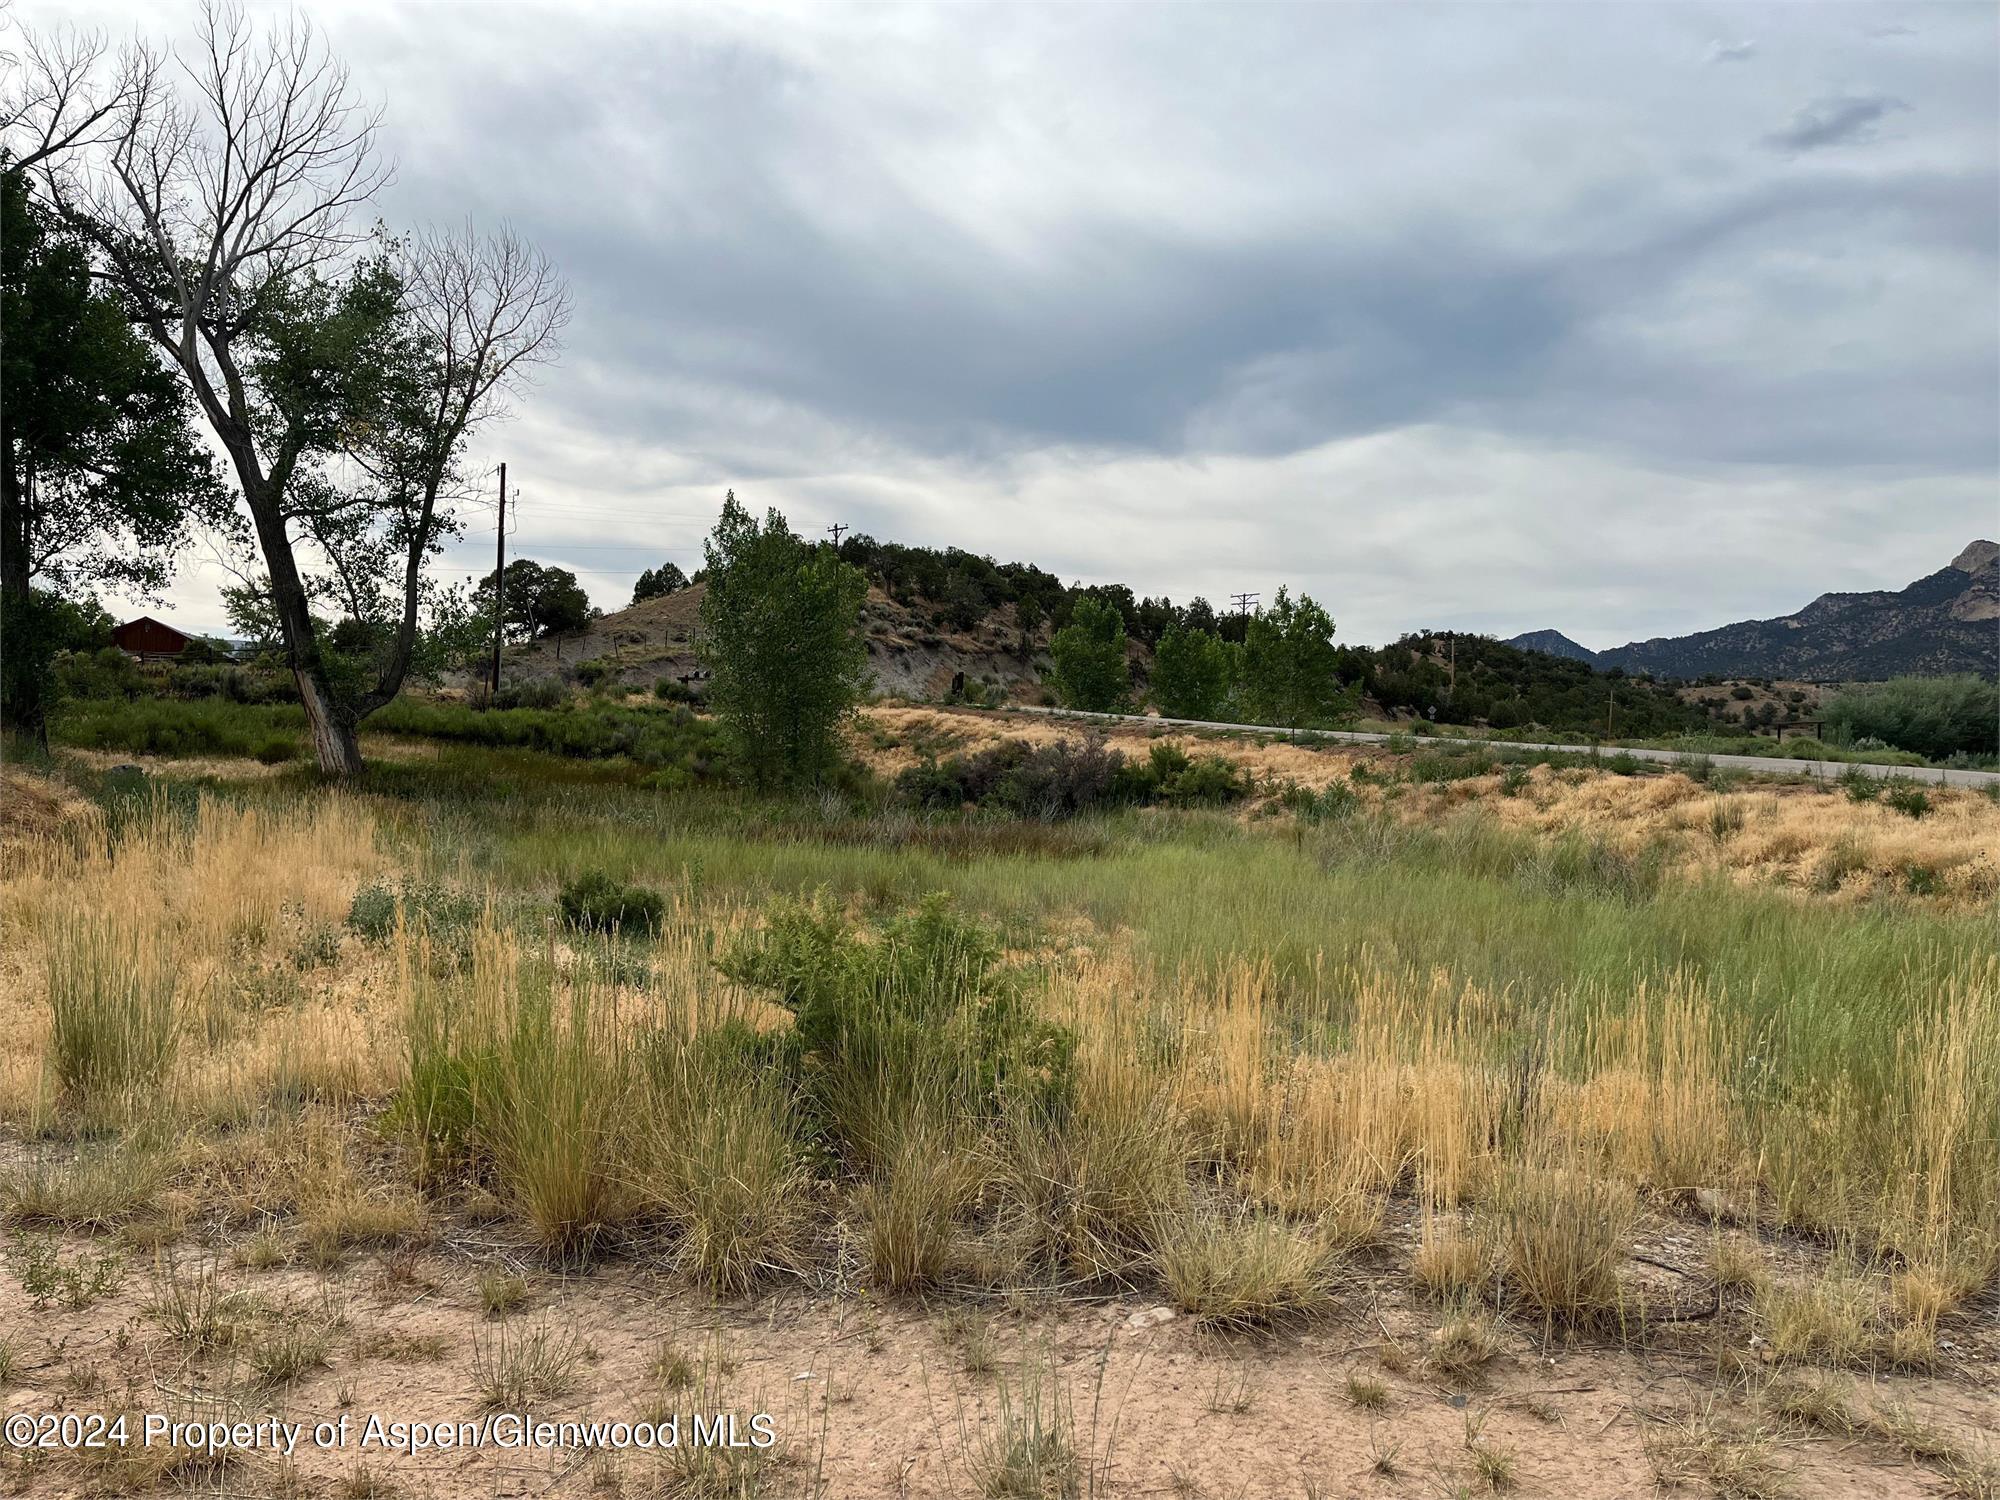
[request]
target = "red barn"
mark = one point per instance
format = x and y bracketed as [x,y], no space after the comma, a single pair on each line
[149,640]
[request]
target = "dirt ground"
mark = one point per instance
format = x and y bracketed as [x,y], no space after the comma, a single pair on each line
[878,1399]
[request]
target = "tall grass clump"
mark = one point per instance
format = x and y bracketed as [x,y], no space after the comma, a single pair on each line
[516,1082]
[115,1016]
[1562,1234]
[1244,1270]
[720,1155]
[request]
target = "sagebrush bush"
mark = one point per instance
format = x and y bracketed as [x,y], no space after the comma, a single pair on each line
[1907,798]
[438,909]
[532,692]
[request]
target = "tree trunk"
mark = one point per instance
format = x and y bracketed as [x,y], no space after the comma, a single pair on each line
[26,706]
[330,723]
[335,744]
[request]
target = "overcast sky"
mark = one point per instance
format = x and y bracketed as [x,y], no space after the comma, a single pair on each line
[1620,319]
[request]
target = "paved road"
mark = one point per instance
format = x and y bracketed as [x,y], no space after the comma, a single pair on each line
[1767,764]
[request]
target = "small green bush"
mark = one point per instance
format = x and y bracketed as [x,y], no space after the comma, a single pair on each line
[275,750]
[532,692]
[917,1019]
[1907,797]
[437,908]
[595,902]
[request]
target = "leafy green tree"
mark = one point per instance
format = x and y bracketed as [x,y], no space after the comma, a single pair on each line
[781,638]
[1289,666]
[538,601]
[100,471]
[1090,671]
[657,583]
[1193,671]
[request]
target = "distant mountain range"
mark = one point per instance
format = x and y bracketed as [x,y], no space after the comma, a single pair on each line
[1946,622]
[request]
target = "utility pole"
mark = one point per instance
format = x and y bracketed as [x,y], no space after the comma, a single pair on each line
[500,580]
[1243,602]
[836,529]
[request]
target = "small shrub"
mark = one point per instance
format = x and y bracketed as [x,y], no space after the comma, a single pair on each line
[275,750]
[439,909]
[922,1015]
[595,902]
[532,692]
[1859,785]
[1907,798]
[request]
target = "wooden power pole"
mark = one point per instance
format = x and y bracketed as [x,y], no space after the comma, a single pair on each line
[500,580]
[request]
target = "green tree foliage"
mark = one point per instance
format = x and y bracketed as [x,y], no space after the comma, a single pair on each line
[537,601]
[1089,653]
[1193,672]
[100,472]
[1473,679]
[781,638]
[1934,716]
[1290,666]
[657,583]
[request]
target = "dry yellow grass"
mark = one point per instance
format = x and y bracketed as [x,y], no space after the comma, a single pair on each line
[1809,838]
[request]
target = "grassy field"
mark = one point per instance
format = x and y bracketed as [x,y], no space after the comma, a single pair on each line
[1156,1150]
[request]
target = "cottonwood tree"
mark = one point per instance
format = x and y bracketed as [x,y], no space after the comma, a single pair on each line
[341,372]
[1193,671]
[781,636]
[1290,665]
[1089,656]
[100,471]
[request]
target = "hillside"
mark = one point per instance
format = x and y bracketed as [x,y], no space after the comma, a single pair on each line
[914,650]
[1946,622]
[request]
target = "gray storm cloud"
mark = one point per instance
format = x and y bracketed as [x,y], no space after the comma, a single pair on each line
[1497,316]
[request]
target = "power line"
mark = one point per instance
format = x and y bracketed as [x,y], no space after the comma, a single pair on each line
[1243,602]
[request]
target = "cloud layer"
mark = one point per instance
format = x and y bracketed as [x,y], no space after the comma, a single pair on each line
[1495,317]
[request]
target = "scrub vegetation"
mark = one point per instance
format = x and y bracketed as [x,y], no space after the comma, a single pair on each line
[1368,1035]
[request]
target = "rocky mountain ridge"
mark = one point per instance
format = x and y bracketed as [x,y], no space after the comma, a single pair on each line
[1945,622]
